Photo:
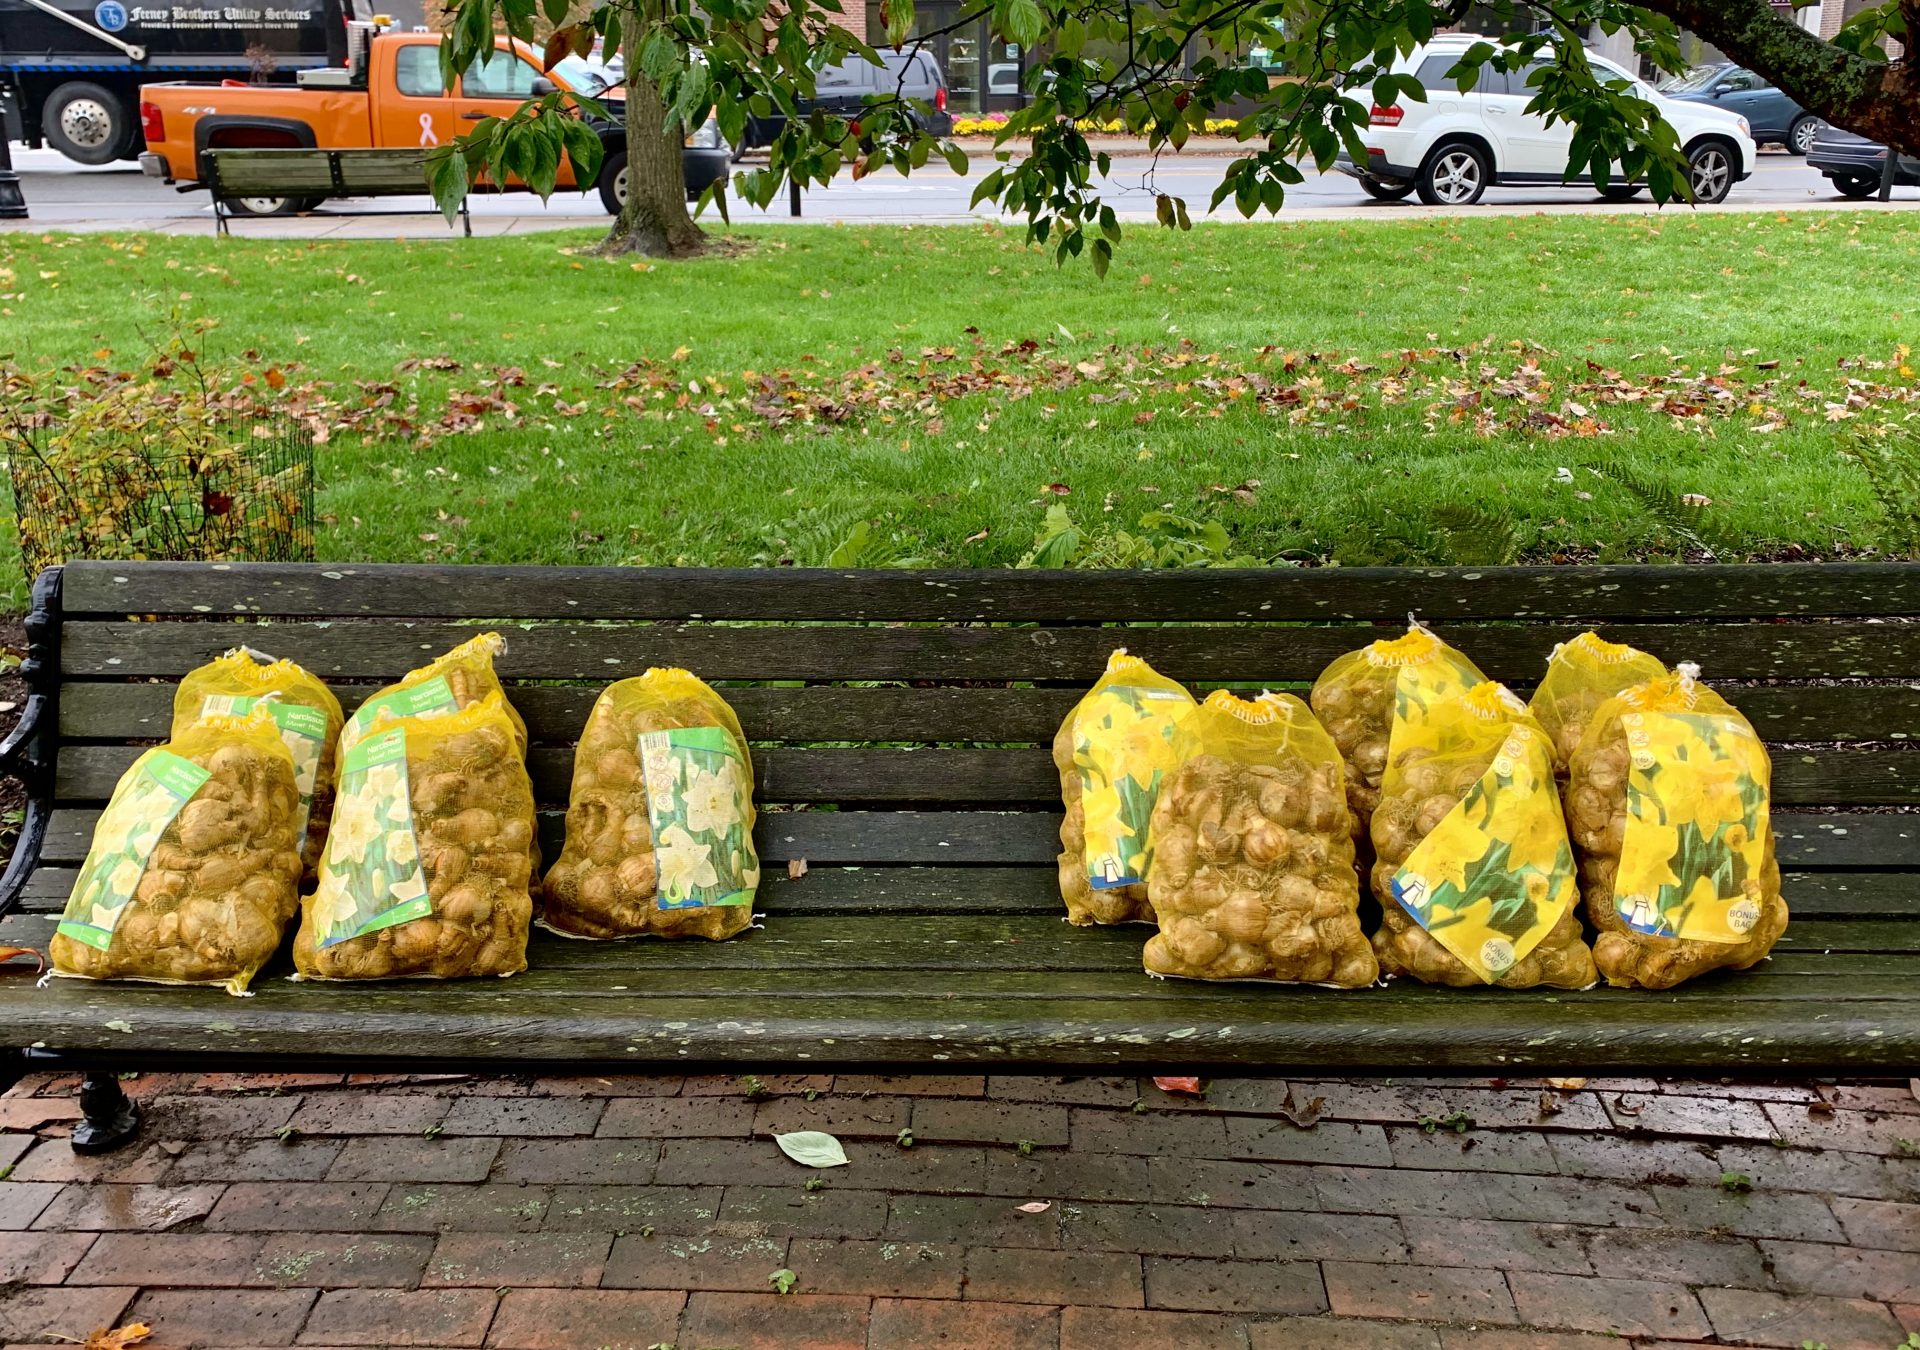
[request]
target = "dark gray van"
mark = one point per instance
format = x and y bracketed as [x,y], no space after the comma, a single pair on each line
[843,90]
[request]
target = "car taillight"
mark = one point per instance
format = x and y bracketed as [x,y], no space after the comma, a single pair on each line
[1385,117]
[940,100]
[152,125]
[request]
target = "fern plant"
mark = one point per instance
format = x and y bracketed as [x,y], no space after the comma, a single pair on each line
[1890,461]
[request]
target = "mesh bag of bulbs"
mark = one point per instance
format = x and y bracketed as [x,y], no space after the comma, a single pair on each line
[430,854]
[1668,798]
[1361,698]
[1473,869]
[660,818]
[1581,675]
[1252,873]
[300,704]
[450,682]
[193,871]
[1113,752]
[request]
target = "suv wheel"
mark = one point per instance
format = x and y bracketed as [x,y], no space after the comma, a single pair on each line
[613,182]
[1621,192]
[1454,175]
[1800,135]
[1385,189]
[1710,173]
[1856,186]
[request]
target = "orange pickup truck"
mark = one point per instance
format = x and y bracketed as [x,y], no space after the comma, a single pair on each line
[390,96]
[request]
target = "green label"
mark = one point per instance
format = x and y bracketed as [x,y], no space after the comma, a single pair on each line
[698,799]
[303,729]
[144,804]
[417,700]
[370,878]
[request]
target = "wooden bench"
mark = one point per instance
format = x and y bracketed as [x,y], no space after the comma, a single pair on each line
[306,175]
[902,721]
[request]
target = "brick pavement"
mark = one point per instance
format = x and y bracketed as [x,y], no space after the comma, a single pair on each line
[373,1210]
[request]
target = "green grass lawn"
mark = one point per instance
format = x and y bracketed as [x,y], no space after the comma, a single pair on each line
[1376,392]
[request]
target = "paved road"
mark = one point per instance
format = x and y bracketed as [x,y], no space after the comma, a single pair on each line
[64,195]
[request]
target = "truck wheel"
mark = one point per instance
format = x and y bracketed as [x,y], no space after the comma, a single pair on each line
[613,182]
[87,123]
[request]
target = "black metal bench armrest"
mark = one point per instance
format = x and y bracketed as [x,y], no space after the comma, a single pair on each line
[28,752]
[18,741]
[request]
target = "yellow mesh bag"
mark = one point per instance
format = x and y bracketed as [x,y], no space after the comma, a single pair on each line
[1472,868]
[1364,697]
[1252,872]
[660,820]
[1581,675]
[1668,797]
[304,709]
[430,853]
[193,871]
[1112,753]
[448,683]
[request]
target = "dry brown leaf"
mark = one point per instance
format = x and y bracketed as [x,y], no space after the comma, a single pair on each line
[1035,1207]
[11,953]
[1567,1084]
[796,868]
[1549,1104]
[120,1337]
[1302,1115]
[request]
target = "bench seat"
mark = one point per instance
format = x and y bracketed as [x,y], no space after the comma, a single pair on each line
[901,722]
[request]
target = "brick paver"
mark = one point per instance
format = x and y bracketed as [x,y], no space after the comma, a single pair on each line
[551,1213]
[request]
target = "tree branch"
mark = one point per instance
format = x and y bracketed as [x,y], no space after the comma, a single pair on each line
[1877,99]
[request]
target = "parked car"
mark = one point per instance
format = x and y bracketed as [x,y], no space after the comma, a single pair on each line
[1771,113]
[843,90]
[1455,146]
[1854,164]
[392,95]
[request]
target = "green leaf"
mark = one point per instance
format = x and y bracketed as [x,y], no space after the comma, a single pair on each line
[956,158]
[812,1147]
[783,1281]
[1024,22]
[447,178]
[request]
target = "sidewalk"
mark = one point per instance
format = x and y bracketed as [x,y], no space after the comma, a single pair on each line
[652,1212]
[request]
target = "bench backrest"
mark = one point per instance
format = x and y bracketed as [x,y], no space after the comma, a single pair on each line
[920,705]
[319,173]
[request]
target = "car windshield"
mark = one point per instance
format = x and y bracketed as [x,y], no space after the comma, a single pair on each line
[585,76]
[1700,77]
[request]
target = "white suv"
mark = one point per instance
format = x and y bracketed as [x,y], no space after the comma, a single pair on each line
[1455,146]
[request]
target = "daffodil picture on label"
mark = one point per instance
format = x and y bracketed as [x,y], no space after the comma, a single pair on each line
[371,876]
[699,800]
[1124,744]
[1494,877]
[1695,844]
[144,804]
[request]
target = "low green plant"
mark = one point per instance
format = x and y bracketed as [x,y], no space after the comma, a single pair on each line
[1735,1183]
[1889,459]
[1457,1121]
[783,1281]
[1161,539]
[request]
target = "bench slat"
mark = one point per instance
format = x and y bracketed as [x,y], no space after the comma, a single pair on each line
[1822,842]
[1319,1031]
[358,650]
[87,773]
[90,710]
[1439,594]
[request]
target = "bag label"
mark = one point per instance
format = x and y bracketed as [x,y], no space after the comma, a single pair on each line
[1695,844]
[371,878]
[1497,873]
[144,804]
[424,699]
[698,799]
[1123,746]
[303,729]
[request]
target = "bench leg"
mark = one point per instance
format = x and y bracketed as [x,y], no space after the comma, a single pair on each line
[111,1117]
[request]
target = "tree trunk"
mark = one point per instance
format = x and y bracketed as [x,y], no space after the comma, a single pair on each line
[1877,99]
[655,220]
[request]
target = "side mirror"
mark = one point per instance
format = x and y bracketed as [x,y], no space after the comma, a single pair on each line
[542,86]
[1722,90]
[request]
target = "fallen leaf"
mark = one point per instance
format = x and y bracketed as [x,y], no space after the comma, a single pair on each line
[976,538]
[173,1148]
[1695,499]
[1189,1086]
[812,1148]
[1567,1084]
[13,953]
[120,1337]
[1035,1207]
[1549,1104]
[796,868]
[1620,1105]
[1820,1108]
[1057,489]
[1302,1116]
